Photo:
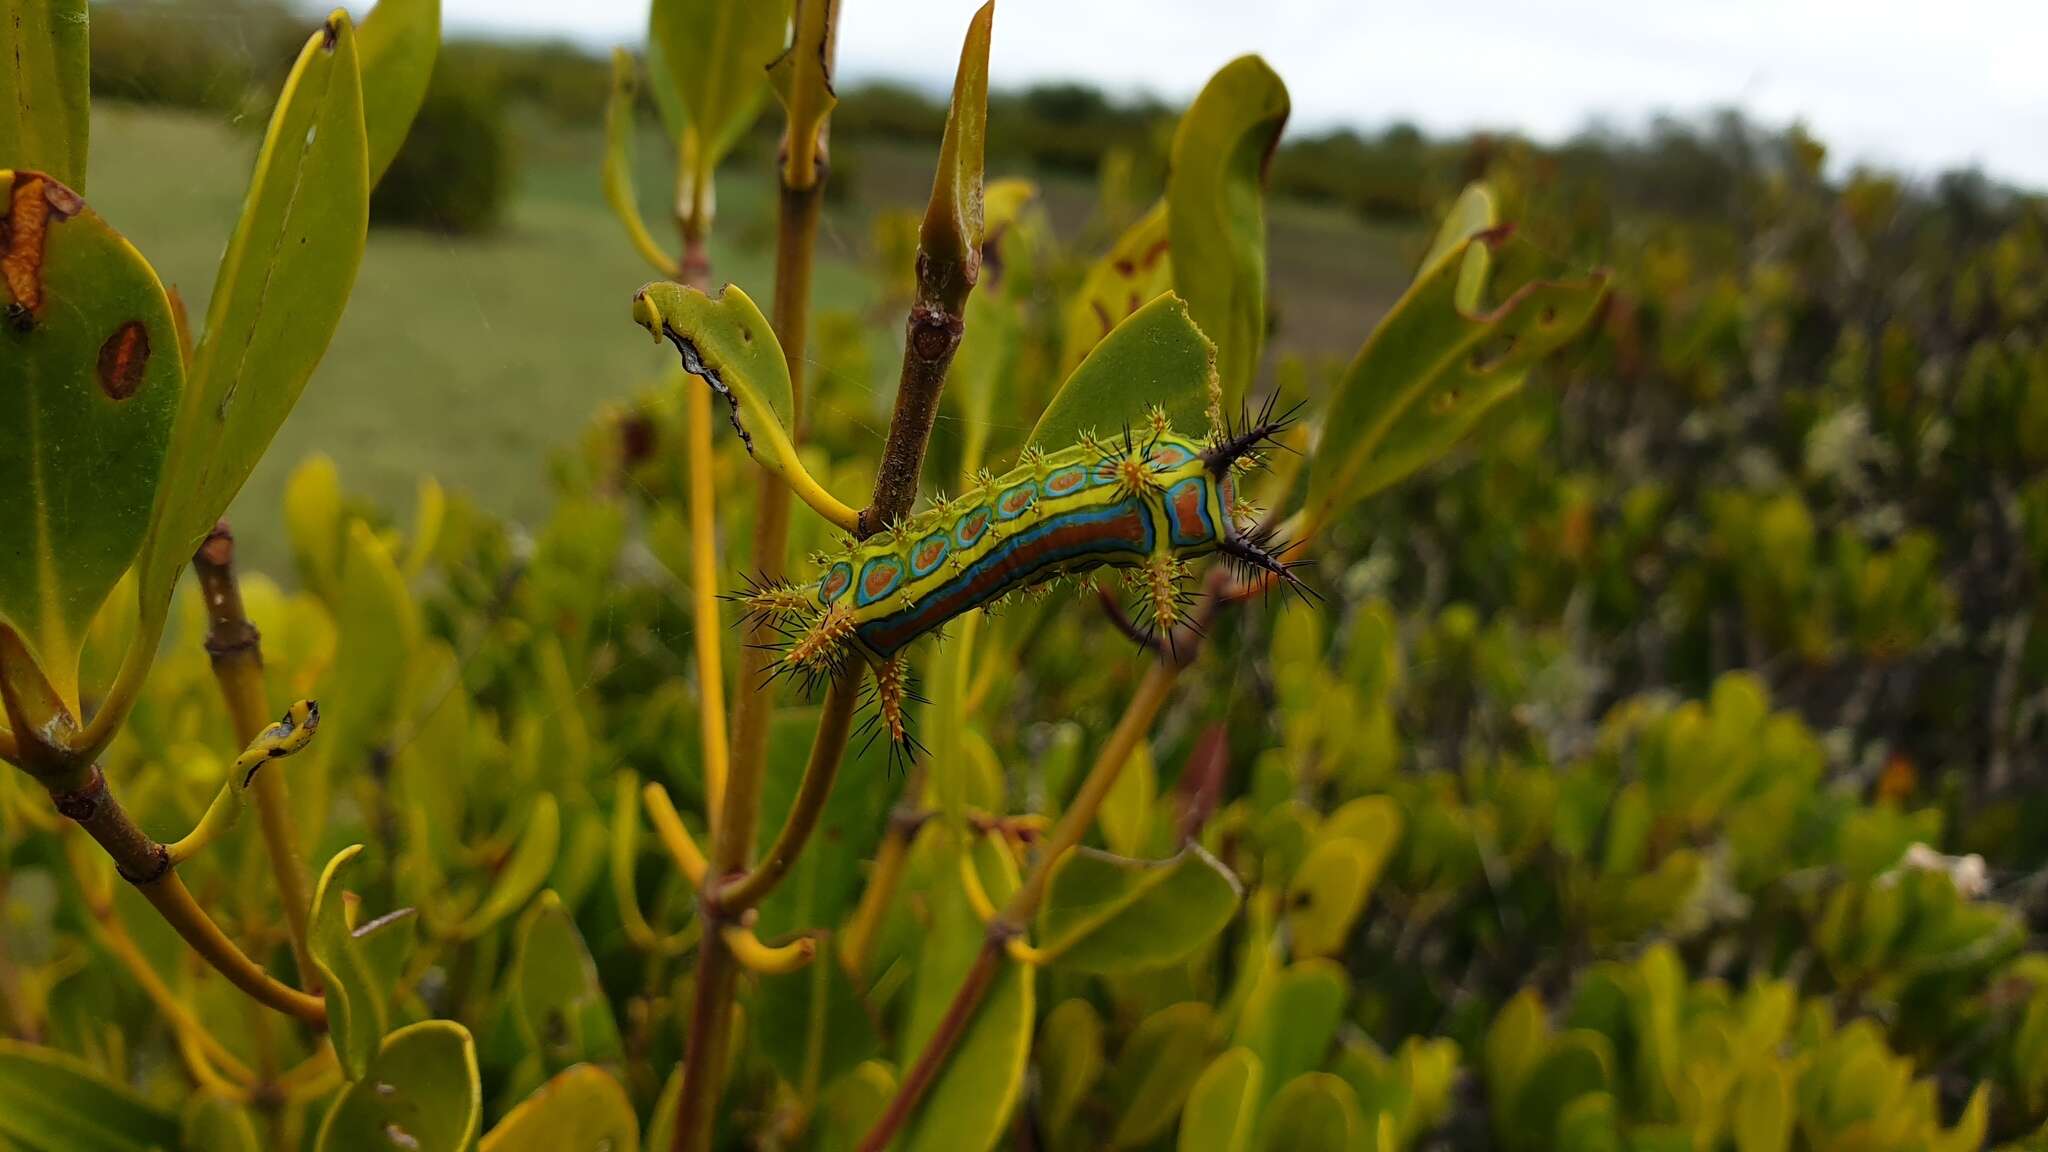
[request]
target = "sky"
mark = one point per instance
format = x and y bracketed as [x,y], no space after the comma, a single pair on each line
[1916,87]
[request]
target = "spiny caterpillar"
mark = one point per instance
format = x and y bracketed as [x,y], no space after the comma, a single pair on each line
[1146,503]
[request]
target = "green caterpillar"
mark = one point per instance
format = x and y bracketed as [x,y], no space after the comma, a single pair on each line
[1146,503]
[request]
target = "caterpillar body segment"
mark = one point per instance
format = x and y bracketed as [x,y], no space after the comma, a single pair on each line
[1145,501]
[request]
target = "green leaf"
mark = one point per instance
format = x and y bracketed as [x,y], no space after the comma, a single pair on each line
[1215,197]
[802,78]
[216,1124]
[358,1009]
[1136,270]
[562,1007]
[316,525]
[849,1108]
[1473,213]
[712,56]
[277,298]
[1588,1124]
[1155,357]
[583,1109]
[1069,1055]
[532,859]
[1292,1017]
[1126,816]
[824,883]
[386,945]
[1156,1070]
[619,125]
[398,43]
[1579,1062]
[1314,1112]
[377,627]
[726,341]
[89,386]
[1223,1107]
[1514,1043]
[661,1124]
[1765,1110]
[45,108]
[1110,914]
[1435,364]
[811,1022]
[51,1102]
[949,239]
[422,1093]
[968,1108]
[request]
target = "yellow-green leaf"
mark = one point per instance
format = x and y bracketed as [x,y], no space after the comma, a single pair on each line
[398,43]
[1215,196]
[713,57]
[1156,356]
[89,386]
[1436,363]
[422,1093]
[532,859]
[968,1108]
[1765,1109]
[216,1124]
[1136,270]
[1326,894]
[277,298]
[358,1009]
[1126,816]
[949,239]
[726,341]
[316,526]
[51,1102]
[1292,1017]
[1109,914]
[850,1107]
[377,627]
[583,1109]
[1314,1112]
[562,1007]
[1223,1107]
[1157,1069]
[1069,1056]
[618,163]
[44,104]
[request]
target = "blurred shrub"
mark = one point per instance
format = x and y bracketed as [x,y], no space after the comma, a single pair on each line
[455,172]
[207,54]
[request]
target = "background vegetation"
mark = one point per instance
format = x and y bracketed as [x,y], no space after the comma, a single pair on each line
[1689,794]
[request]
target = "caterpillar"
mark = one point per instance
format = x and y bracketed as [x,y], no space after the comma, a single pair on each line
[1146,503]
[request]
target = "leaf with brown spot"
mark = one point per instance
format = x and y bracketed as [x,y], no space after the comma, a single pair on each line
[88,413]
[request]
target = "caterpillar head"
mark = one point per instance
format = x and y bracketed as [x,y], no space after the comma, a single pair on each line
[1258,551]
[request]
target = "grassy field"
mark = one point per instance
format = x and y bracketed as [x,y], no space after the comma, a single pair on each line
[471,359]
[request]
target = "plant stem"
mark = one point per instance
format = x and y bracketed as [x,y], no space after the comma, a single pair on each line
[1023,904]
[904,823]
[795,246]
[236,649]
[732,833]
[828,749]
[704,596]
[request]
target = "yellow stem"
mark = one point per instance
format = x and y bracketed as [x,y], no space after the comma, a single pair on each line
[173,901]
[668,825]
[768,960]
[704,598]
[1102,775]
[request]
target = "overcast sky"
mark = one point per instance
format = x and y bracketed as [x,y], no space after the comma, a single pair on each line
[1918,86]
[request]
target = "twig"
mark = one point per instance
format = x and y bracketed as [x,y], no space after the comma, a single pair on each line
[236,650]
